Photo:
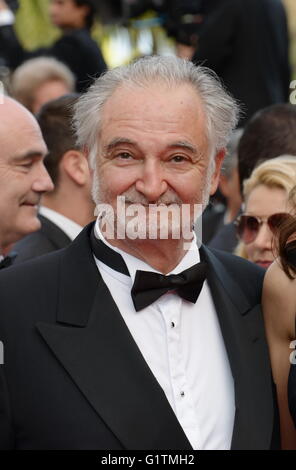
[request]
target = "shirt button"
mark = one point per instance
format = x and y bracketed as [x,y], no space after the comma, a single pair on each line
[182,394]
[172,324]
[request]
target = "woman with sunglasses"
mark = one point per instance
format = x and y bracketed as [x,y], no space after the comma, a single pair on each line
[279,306]
[266,208]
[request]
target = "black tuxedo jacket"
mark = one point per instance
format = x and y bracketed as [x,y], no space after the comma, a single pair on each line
[49,238]
[246,43]
[74,378]
[76,49]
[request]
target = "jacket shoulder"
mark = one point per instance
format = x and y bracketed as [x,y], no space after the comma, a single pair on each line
[248,275]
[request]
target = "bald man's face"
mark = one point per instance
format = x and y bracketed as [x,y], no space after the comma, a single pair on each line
[23,177]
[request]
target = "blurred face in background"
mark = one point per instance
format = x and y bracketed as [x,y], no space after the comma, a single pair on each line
[66,14]
[23,177]
[263,202]
[49,90]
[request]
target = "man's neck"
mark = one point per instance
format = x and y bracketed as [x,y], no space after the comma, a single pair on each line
[81,212]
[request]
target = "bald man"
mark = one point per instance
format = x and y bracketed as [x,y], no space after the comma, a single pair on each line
[23,177]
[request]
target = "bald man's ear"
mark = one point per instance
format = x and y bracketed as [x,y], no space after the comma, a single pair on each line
[74,163]
[216,175]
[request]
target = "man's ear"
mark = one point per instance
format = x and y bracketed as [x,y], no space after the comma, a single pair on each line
[75,165]
[219,157]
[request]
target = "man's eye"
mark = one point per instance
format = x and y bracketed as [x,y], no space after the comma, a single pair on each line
[27,165]
[124,156]
[178,159]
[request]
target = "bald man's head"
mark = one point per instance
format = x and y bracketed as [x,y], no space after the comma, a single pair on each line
[23,177]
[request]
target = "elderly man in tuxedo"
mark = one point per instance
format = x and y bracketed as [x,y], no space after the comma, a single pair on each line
[23,177]
[133,337]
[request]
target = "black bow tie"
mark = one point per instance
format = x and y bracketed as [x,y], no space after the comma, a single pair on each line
[150,286]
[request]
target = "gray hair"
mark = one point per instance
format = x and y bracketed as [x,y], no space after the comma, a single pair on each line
[221,109]
[230,161]
[33,73]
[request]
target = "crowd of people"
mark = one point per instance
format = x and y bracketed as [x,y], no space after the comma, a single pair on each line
[128,319]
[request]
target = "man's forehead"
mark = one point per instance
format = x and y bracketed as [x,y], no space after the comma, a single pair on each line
[177,114]
[128,96]
[20,134]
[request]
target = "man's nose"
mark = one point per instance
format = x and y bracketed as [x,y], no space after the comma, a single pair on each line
[264,238]
[152,183]
[42,182]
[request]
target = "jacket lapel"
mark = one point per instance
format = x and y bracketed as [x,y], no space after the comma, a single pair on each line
[244,337]
[94,345]
[56,236]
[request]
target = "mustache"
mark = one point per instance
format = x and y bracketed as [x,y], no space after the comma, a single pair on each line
[132,196]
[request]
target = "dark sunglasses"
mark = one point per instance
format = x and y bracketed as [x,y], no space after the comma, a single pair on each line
[248,226]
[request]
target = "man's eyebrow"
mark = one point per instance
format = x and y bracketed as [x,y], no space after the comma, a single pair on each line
[179,143]
[117,141]
[186,145]
[30,154]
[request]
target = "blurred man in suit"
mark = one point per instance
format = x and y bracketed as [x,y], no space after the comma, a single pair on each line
[23,177]
[75,47]
[69,206]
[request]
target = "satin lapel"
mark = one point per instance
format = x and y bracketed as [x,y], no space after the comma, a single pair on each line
[243,332]
[95,347]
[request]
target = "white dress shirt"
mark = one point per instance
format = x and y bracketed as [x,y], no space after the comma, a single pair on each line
[67,225]
[184,348]
[6,17]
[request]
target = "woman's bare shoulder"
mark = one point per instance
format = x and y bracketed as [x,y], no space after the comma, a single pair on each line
[279,299]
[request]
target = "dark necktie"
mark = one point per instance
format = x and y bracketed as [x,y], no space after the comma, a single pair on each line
[150,286]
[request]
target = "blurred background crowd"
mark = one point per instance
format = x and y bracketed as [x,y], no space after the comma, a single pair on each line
[52,48]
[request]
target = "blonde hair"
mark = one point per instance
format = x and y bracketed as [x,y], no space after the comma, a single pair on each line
[33,73]
[279,172]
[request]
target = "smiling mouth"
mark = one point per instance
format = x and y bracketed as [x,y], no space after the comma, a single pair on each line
[31,204]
